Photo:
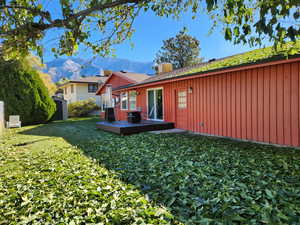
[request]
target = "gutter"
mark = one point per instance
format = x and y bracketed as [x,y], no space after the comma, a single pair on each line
[77,82]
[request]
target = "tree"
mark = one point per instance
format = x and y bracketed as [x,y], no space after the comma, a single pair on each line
[24,23]
[36,63]
[62,81]
[47,80]
[24,93]
[181,51]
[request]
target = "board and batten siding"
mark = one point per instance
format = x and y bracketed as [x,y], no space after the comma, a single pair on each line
[260,104]
[115,81]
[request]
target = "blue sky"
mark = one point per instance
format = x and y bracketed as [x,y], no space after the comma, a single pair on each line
[151,30]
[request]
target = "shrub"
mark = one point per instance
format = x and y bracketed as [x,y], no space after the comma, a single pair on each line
[24,93]
[82,108]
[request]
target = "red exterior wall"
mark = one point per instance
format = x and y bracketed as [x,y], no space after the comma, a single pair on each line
[115,81]
[141,102]
[260,104]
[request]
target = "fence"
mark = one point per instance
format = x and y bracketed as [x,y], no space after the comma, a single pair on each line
[1,117]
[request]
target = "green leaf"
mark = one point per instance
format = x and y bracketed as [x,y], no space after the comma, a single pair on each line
[228,34]
[210,5]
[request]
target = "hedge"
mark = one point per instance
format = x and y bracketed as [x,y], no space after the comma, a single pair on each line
[82,108]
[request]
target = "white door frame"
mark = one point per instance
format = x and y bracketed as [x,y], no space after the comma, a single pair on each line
[154,89]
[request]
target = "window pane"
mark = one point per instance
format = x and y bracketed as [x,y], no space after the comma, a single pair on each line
[132,100]
[132,105]
[182,99]
[124,98]
[92,88]
[159,104]
[151,108]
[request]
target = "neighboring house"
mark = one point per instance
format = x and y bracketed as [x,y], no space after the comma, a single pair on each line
[116,80]
[82,89]
[257,101]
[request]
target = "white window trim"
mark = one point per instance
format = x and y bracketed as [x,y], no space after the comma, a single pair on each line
[151,89]
[122,101]
[129,106]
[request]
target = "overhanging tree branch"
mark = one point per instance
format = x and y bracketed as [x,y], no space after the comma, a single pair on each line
[23,24]
[81,15]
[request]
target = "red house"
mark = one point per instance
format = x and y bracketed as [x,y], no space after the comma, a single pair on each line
[257,101]
[115,80]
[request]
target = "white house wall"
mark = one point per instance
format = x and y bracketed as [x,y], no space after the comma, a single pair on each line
[80,93]
[83,94]
[70,97]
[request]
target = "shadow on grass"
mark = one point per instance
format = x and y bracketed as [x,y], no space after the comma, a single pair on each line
[30,142]
[197,178]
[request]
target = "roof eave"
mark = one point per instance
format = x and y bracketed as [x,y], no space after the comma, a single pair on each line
[78,82]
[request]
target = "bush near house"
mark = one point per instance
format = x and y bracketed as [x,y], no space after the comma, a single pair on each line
[82,108]
[24,93]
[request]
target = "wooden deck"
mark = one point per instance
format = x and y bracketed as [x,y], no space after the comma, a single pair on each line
[125,128]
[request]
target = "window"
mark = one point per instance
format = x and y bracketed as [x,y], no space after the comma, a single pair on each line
[132,100]
[155,104]
[72,88]
[92,88]
[116,101]
[124,101]
[66,90]
[182,103]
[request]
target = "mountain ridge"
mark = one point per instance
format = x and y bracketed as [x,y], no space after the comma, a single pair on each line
[73,68]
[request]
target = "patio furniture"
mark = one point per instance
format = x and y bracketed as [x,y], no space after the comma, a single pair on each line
[134,117]
[14,121]
[110,114]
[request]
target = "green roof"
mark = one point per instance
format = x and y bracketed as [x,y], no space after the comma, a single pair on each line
[290,49]
[250,57]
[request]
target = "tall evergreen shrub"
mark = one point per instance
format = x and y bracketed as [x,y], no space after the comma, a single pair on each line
[24,93]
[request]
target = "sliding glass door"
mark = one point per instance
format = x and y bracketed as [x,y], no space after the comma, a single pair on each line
[155,104]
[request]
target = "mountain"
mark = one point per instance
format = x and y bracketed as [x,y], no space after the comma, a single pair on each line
[73,68]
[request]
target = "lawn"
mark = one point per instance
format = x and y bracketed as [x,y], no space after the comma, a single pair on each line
[70,173]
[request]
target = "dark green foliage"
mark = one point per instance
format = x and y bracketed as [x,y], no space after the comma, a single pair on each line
[82,108]
[181,51]
[24,93]
[253,22]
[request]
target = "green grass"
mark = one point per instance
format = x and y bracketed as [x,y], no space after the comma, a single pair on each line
[70,173]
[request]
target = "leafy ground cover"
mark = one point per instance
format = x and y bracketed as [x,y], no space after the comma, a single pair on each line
[45,180]
[68,172]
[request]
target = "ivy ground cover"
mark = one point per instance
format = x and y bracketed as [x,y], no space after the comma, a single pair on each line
[71,173]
